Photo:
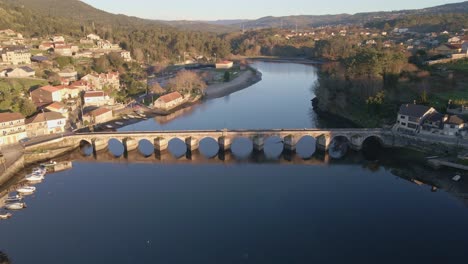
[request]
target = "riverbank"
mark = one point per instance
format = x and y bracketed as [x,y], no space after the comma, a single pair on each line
[288,60]
[244,80]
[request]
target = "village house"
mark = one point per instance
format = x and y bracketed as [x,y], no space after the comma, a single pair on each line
[12,128]
[224,65]
[411,117]
[126,55]
[58,108]
[68,92]
[98,116]
[99,81]
[64,51]
[93,37]
[46,46]
[69,74]
[169,101]
[434,123]
[81,85]
[46,95]
[453,125]
[16,55]
[97,98]
[45,123]
[107,45]
[56,39]
[21,72]
[448,49]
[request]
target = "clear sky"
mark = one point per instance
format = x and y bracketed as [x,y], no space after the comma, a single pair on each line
[251,9]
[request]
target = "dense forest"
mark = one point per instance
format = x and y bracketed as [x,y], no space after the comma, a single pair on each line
[425,23]
[146,40]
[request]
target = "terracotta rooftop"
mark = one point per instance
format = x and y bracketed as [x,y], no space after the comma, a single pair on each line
[8,117]
[43,117]
[49,88]
[95,94]
[170,97]
[56,106]
[99,111]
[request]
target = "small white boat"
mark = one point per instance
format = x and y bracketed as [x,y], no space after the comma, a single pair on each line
[142,115]
[119,123]
[15,198]
[15,206]
[132,116]
[124,117]
[34,178]
[48,164]
[25,190]
[456,178]
[5,216]
[109,126]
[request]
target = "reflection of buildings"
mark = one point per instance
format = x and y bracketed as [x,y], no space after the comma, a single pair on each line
[170,117]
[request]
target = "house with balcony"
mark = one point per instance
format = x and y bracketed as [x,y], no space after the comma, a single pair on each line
[97,98]
[12,128]
[46,123]
[411,117]
[16,55]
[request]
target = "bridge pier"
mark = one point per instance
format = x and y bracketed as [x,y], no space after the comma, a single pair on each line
[290,143]
[258,143]
[160,144]
[192,143]
[224,143]
[130,144]
[225,155]
[99,144]
[323,143]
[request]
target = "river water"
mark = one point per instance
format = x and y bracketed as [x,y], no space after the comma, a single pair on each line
[261,208]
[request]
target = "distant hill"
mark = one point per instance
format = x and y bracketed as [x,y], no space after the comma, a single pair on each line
[306,21]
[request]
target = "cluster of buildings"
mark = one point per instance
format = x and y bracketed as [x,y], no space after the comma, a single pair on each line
[420,119]
[14,126]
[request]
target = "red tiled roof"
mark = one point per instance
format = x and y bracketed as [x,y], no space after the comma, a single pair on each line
[49,88]
[95,94]
[7,117]
[43,117]
[56,106]
[99,111]
[170,97]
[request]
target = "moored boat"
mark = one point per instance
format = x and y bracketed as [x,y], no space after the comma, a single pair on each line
[49,164]
[15,198]
[25,190]
[4,216]
[125,117]
[34,178]
[109,126]
[119,123]
[15,206]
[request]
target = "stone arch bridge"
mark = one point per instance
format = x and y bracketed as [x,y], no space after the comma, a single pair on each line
[192,138]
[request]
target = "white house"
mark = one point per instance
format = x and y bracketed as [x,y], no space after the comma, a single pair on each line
[169,101]
[411,117]
[453,125]
[97,98]
[224,65]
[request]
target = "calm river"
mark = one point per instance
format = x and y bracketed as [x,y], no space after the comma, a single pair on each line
[262,208]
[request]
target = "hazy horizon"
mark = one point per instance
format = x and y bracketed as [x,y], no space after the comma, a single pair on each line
[211,10]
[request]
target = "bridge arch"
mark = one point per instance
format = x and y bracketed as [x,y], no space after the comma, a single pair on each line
[86,147]
[372,146]
[274,146]
[339,146]
[306,147]
[242,147]
[116,147]
[209,147]
[145,147]
[177,147]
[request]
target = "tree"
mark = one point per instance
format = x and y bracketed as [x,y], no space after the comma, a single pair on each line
[27,108]
[156,88]
[227,76]
[186,81]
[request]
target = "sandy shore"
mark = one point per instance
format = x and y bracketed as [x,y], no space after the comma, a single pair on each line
[244,80]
